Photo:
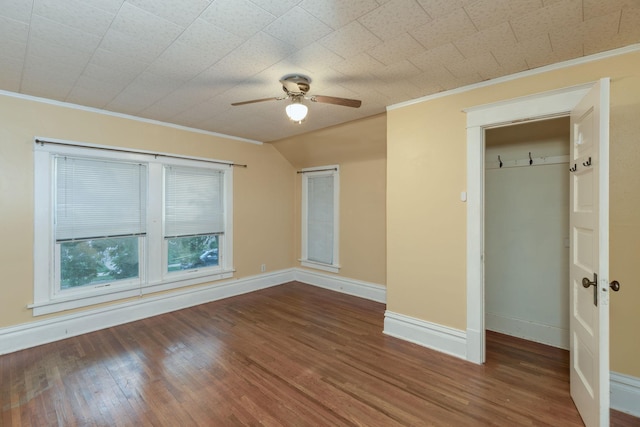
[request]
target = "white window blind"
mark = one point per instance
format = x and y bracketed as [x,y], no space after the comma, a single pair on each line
[194,201]
[96,198]
[320,219]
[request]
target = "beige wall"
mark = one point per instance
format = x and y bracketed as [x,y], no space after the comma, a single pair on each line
[359,148]
[263,193]
[422,233]
[426,221]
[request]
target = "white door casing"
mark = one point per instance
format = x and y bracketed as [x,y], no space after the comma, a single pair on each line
[536,107]
[589,312]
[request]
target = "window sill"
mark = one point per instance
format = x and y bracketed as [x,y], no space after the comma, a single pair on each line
[331,268]
[94,297]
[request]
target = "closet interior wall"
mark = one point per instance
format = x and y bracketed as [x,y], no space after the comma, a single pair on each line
[527,231]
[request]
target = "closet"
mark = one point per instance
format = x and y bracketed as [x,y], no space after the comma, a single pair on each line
[527,231]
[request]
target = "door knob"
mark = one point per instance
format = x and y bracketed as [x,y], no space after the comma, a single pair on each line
[615,286]
[587,283]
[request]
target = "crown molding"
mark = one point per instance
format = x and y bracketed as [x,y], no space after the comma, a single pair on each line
[547,68]
[122,116]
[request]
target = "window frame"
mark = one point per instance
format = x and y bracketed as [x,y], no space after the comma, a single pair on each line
[222,237]
[313,172]
[153,274]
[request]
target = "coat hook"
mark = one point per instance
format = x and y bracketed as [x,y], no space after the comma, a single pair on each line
[587,163]
[499,160]
[574,168]
[530,159]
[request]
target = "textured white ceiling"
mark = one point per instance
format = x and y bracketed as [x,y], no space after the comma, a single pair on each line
[186,61]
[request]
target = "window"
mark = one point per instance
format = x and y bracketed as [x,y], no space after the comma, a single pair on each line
[320,196]
[112,225]
[194,217]
[99,219]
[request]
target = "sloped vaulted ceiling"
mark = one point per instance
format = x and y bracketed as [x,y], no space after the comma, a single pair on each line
[186,61]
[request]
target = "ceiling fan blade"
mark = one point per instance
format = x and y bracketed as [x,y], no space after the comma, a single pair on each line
[355,103]
[256,100]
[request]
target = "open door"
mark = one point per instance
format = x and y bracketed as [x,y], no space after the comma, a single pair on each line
[589,228]
[589,269]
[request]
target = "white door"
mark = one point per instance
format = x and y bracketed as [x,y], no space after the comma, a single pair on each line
[589,269]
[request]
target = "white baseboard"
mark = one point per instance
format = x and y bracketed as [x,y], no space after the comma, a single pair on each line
[625,394]
[40,332]
[358,288]
[475,349]
[531,331]
[625,390]
[437,337]
[32,334]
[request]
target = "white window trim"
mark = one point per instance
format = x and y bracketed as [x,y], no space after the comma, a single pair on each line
[333,171]
[153,274]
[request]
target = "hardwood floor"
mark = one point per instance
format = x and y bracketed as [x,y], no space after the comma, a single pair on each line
[289,355]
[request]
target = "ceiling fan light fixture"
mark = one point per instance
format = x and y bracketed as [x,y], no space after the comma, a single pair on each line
[295,87]
[296,111]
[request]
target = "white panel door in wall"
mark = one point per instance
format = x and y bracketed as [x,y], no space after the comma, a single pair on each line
[589,261]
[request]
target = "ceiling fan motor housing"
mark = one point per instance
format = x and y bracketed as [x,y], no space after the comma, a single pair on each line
[295,84]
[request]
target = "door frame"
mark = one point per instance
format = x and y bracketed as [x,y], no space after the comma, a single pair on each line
[540,106]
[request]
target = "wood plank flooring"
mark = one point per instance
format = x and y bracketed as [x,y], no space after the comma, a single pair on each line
[292,355]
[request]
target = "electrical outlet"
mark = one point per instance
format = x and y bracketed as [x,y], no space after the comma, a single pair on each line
[263,267]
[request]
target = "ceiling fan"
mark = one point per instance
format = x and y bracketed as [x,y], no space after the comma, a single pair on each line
[296,86]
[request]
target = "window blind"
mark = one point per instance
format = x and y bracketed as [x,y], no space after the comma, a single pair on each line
[96,198]
[320,219]
[194,203]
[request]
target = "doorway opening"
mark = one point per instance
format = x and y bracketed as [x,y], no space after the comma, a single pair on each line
[558,103]
[588,106]
[526,229]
